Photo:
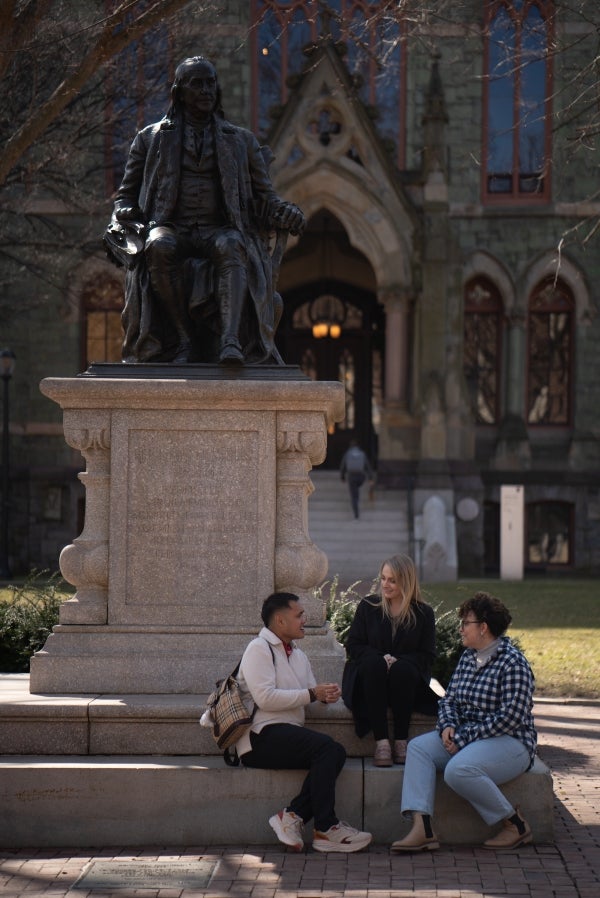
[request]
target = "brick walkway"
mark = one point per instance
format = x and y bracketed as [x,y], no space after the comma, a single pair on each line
[570,868]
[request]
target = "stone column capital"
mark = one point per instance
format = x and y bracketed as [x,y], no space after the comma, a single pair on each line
[296,434]
[517,318]
[395,296]
[87,430]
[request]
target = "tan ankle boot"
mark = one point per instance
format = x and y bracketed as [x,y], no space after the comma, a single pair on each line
[515,831]
[420,838]
[399,751]
[383,753]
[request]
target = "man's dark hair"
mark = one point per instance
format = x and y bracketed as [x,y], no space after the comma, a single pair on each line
[489,610]
[275,602]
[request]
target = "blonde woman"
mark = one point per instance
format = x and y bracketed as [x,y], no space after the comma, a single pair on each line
[391,647]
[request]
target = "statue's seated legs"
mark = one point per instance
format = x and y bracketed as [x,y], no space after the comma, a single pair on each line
[230,260]
[166,250]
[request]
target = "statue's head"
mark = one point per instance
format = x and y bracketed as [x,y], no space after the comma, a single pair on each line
[196,87]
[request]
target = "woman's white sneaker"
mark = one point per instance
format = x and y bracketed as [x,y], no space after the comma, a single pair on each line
[340,837]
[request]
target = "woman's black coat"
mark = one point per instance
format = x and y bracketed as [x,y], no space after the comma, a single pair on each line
[371,634]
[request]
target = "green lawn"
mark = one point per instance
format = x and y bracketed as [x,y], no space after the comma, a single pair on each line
[557,623]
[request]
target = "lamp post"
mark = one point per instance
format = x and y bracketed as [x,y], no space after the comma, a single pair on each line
[7,366]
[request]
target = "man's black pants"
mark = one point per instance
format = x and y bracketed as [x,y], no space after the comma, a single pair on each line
[284,746]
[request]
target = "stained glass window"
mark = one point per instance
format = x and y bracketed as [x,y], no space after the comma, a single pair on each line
[102,303]
[347,375]
[482,348]
[550,354]
[549,533]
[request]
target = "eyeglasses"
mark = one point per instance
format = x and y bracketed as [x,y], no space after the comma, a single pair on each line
[465,623]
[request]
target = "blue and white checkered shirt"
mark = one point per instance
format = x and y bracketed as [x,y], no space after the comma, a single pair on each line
[493,700]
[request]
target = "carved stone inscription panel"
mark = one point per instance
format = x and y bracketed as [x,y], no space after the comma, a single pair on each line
[192,534]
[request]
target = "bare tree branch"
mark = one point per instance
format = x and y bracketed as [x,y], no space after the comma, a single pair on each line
[109,43]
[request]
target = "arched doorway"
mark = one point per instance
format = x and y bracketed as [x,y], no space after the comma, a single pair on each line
[353,357]
[333,328]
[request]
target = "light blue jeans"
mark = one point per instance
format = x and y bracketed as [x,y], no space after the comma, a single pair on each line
[474,772]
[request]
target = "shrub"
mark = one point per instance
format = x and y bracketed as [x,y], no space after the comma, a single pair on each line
[27,618]
[448,645]
[340,605]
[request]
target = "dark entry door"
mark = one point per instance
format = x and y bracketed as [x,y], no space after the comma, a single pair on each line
[347,358]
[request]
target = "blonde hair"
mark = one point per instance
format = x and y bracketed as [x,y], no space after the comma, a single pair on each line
[405,573]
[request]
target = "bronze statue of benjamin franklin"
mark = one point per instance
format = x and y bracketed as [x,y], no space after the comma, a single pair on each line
[191,222]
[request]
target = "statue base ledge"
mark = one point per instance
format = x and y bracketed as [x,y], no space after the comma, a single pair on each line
[192,371]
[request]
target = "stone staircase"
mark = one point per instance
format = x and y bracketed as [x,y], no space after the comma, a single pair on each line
[356,547]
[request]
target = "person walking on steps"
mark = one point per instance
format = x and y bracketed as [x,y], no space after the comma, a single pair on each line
[485,733]
[355,468]
[279,679]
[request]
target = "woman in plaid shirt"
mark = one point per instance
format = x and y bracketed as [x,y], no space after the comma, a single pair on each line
[485,733]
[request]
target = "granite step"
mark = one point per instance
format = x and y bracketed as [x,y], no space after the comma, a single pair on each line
[169,800]
[137,724]
[138,770]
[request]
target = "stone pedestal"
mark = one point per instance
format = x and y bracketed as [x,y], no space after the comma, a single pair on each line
[196,509]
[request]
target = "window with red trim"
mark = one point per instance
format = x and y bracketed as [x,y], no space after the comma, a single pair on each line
[550,354]
[483,315]
[138,93]
[517,106]
[375,52]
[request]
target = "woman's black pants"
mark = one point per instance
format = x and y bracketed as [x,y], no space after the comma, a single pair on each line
[395,688]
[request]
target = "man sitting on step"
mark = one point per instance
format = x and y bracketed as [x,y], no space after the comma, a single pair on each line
[280,681]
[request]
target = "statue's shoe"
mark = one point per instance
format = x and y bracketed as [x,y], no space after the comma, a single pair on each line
[183,353]
[231,355]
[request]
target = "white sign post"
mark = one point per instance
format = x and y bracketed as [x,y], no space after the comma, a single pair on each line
[511,532]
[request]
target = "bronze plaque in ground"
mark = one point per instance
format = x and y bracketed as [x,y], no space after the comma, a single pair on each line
[146,874]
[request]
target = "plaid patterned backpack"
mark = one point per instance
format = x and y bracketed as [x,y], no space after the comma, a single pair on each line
[229,717]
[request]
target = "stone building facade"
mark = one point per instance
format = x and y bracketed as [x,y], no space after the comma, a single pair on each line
[444,264]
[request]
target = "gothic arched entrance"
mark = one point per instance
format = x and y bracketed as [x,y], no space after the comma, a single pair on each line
[334,331]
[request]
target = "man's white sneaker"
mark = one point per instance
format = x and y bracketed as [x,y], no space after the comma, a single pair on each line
[288,829]
[340,837]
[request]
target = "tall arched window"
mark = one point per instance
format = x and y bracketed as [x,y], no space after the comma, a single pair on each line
[483,348]
[138,90]
[517,110]
[372,33]
[102,304]
[550,354]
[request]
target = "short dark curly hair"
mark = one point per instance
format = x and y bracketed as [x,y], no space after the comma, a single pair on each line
[274,602]
[487,609]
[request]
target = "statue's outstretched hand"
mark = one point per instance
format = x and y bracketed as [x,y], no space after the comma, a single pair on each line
[289,217]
